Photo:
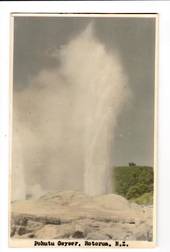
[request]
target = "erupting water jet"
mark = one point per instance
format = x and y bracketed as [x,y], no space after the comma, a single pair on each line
[75,107]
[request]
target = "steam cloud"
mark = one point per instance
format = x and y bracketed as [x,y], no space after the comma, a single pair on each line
[64,121]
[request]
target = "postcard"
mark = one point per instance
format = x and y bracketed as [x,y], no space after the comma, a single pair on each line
[83,130]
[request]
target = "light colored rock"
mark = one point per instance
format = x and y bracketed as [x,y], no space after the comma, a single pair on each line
[97,236]
[74,215]
[112,201]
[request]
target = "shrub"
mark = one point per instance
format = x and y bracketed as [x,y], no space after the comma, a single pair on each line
[133,181]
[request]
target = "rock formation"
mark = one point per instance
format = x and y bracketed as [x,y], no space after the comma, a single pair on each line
[73,215]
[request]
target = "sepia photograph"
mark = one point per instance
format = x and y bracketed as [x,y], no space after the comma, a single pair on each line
[83,130]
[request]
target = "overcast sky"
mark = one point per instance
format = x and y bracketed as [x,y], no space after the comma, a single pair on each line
[37,38]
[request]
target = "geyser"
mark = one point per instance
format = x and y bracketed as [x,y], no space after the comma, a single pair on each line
[66,117]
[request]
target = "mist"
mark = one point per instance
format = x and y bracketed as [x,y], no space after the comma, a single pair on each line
[64,121]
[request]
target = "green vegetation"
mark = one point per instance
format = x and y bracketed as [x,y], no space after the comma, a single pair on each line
[144,199]
[134,183]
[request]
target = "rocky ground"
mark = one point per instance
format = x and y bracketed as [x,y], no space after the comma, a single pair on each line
[73,215]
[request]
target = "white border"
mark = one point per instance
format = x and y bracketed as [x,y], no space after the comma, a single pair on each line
[163,8]
[132,244]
